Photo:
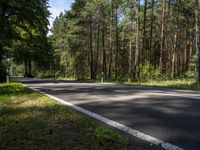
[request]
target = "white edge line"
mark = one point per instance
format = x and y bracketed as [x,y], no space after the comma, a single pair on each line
[136,133]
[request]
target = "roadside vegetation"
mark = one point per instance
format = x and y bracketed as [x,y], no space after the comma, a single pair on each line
[179,84]
[149,76]
[145,43]
[29,120]
[101,40]
[187,84]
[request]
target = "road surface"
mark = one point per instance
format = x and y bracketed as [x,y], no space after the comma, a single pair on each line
[168,114]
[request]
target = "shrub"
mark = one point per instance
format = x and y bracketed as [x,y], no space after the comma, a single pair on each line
[192,71]
[149,72]
[44,74]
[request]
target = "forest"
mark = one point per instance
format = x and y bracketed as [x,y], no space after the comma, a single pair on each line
[23,37]
[108,40]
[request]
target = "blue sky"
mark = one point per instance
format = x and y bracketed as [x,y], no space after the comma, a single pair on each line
[57,6]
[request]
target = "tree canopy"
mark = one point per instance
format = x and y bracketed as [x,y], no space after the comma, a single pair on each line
[101,39]
[23,33]
[120,39]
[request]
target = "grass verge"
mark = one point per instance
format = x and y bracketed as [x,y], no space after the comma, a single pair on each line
[29,120]
[188,84]
[179,84]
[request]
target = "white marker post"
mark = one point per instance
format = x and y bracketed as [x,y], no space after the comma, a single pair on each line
[7,79]
[7,76]
[102,77]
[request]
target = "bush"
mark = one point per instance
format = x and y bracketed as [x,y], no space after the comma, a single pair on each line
[80,67]
[149,72]
[192,71]
[190,74]
[44,74]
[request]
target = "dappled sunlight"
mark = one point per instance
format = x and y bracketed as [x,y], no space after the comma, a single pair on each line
[29,119]
[159,112]
[180,84]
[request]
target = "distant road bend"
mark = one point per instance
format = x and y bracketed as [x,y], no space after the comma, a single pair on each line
[170,115]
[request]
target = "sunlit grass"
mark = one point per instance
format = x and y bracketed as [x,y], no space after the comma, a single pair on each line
[66,78]
[189,84]
[29,120]
[179,83]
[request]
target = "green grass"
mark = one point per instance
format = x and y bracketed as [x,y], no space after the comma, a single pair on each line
[179,84]
[189,84]
[67,78]
[29,120]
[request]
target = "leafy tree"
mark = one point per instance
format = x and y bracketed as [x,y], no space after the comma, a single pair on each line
[119,39]
[22,24]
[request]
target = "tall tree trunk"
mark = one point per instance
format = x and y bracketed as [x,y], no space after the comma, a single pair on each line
[144,32]
[185,52]
[29,68]
[197,44]
[104,72]
[174,56]
[131,40]
[2,67]
[175,42]
[190,55]
[167,59]
[110,40]
[151,31]
[137,38]
[1,55]
[117,40]
[162,37]
[91,52]
[97,52]
[25,68]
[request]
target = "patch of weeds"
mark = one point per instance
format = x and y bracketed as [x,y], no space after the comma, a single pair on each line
[104,135]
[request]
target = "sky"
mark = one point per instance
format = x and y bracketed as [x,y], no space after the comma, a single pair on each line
[57,6]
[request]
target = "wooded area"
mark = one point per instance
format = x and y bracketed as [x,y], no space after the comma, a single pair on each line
[120,39]
[104,39]
[23,36]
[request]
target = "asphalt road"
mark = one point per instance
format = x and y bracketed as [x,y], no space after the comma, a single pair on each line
[168,114]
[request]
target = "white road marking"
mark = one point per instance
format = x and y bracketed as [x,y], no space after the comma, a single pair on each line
[136,133]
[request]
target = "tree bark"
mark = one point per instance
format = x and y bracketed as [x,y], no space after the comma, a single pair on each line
[97,53]
[131,40]
[175,42]
[137,38]
[110,40]
[2,67]
[144,33]
[117,40]
[185,53]
[25,68]
[29,69]
[151,31]
[174,56]
[162,37]
[197,43]
[190,54]
[104,70]
[91,52]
